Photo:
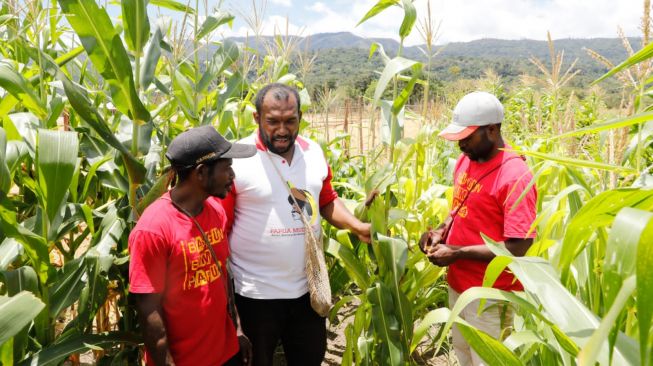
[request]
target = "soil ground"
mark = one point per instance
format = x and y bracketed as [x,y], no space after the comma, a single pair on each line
[356,123]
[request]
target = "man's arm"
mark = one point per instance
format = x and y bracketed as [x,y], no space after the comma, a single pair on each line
[150,317]
[339,216]
[444,254]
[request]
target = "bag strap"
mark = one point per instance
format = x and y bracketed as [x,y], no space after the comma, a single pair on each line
[449,220]
[231,303]
[288,186]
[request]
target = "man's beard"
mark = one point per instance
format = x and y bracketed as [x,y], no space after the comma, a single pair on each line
[268,143]
[481,152]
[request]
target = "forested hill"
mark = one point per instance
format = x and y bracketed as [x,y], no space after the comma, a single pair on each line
[611,48]
[343,57]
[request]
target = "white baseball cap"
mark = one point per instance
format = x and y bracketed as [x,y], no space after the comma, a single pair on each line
[472,111]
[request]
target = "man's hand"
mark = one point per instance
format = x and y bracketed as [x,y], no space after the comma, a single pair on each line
[442,255]
[363,231]
[339,216]
[431,238]
[245,348]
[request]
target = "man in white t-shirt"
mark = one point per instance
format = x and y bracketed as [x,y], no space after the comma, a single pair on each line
[267,236]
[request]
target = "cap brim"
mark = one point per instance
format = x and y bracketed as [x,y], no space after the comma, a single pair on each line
[456,133]
[239,151]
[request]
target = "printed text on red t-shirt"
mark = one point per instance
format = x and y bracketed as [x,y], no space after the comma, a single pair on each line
[463,185]
[200,269]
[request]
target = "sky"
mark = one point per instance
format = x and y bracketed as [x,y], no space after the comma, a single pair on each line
[460,21]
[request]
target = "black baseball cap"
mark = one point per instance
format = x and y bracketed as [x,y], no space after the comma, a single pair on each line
[201,144]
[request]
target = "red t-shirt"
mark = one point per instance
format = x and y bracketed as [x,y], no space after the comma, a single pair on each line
[169,256]
[488,210]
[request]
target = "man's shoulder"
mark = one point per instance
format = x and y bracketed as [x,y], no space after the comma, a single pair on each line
[515,162]
[251,139]
[155,217]
[215,205]
[306,144]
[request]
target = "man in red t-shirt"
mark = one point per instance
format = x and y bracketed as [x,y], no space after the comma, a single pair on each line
[488,184]
[178,269]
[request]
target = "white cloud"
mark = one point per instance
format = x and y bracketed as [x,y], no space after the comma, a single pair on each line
[274,24]
[461,20]
[286,3]
[513,19]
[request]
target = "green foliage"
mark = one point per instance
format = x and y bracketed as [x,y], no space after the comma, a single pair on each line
[81,156]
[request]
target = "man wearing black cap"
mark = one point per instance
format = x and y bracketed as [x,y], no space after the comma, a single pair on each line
[180,283]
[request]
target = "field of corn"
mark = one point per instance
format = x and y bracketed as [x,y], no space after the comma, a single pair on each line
[89,102]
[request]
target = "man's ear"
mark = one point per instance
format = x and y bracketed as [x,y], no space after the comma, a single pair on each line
[493,130]
[199,171]
[256,117]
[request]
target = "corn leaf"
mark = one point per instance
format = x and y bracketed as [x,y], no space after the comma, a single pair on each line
[107,52]
[564,309]
[10,249]
[377,46]
[34,245]
[608,125]
[641,55]
[523,338]
[21,279]
[173,5]
[392,68]
[15,281]
[83,106]
[491,350]
[388,133]
[5,175]
[395,253]
[437,316]
[213,21]
[576,162]
[376,9]
[621,249]
[158,189]
[645,292]
[17,86]
[56,159]
[597,213]
[385,323]
[410,15]
[79,343]
[16,312]
[494,269]
[65,291]
[111,230]
[183,92]
[151,57]
[223,57]
[136,23]
[590,352]
[401,100]
[356,269]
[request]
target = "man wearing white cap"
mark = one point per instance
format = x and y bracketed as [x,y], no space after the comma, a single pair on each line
[488,183]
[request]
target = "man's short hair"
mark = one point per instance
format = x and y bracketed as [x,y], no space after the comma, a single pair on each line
[279,92]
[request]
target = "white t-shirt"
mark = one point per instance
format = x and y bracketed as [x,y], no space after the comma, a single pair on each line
[267,240]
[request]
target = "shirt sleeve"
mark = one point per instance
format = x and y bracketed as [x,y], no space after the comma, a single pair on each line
[148,262]
[327,194]
[518,219]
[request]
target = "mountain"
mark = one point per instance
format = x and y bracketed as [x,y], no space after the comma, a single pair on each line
[487,48]
[343,60]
